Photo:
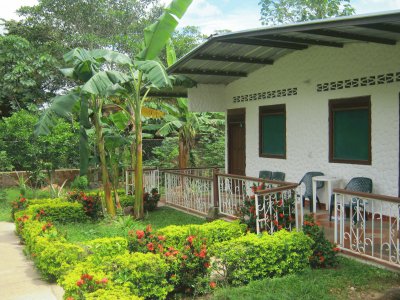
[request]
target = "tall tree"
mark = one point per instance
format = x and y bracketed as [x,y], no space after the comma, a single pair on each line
[90,24]
[27,75]
[291,11]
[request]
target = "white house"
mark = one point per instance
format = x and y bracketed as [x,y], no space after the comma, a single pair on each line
[314,96]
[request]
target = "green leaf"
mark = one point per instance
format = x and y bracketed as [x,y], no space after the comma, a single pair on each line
[157,34]
[120,120]
[103,81]
[111,56]
[171,54]
[60,106]
[154,72]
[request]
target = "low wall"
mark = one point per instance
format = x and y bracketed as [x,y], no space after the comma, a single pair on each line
[10,179]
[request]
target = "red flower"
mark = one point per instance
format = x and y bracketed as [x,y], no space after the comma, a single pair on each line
[104,280]
[139,234]
[321,259]
[275,222]
[70,298]
[281,215]
[213,284]
[167,254]
[190,239]
[336,249]
[206,265]
[161,238]
[203,253]
[148,228]
[80,282]
[184,257]
[150,246]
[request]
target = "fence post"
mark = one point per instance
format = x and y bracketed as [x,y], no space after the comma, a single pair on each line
[215,188]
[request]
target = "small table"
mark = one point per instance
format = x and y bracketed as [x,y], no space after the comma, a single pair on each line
[329,181]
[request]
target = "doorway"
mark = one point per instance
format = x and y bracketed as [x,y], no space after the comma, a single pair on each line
[237,141]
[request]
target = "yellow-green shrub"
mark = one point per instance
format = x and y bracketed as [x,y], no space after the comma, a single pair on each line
[144,274]
[45,201]
[60,211]
[56,257]
[115,293]
[254,257]
[102,248]
[216,231]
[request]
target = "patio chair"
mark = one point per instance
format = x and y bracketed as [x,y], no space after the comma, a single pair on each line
[264,174]
[356,184]
[278,176]
[307,180]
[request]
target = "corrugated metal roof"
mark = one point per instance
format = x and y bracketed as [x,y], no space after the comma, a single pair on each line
[227,57]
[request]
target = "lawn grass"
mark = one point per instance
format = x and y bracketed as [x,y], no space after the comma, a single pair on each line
[351,280]
[8,195]
[159,218]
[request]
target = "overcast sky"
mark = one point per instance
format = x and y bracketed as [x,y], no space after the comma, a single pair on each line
[211,15]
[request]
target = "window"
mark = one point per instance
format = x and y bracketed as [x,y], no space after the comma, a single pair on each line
[350,130]
[272,139]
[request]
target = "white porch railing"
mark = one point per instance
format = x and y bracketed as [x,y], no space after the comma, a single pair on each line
[233,190]
[151,180]
[368,225]
[279,208]
[191,192]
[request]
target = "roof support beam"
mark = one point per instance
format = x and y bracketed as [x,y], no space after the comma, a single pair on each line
[210,72]
[383,27]
[351,36]
[239,59]
[264,43]
[297,40]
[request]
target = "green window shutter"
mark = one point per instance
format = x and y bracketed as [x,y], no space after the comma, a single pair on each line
[350,130]
[273,131]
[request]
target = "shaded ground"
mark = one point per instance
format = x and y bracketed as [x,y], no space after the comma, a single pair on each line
[19,278]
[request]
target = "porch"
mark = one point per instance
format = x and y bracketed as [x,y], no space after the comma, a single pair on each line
[365,225]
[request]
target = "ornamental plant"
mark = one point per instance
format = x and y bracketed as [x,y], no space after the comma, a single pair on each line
[324,252]
[150,200]
[282,215]
[87,284]
[91,203]
[18,205]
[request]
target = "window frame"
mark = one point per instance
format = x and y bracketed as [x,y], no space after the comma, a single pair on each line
[345,104]
[265,111]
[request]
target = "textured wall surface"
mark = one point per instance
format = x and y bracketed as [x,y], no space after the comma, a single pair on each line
[307,112]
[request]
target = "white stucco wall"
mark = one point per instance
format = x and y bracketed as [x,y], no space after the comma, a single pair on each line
[307,112]
[203,93]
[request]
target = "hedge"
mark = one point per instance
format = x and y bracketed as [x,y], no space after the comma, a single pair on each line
[213,232]
[115,293]
[254,257]
[60,211]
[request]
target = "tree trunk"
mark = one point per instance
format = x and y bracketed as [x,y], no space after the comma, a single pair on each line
[104,172]
[138,207]
[183,154]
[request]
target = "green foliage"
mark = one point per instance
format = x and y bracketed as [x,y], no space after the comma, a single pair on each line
[213,232]
[324,252]
[19,204]
[102,248]
[144,274]
[27,152]
[114,293]
[291,11]
[59,211]
[27,75]
[80,183]
[126,200]
[166,155]
[56,257]
[254,257]
[5,162]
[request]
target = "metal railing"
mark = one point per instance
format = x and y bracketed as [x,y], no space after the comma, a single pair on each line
[279,208]
[233,190]
[368,225]
[190,192]
[151,179]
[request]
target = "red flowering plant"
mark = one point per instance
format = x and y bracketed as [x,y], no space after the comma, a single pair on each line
[18,205]
[87,284]
[280,216]
[49,231]
[324,252]
[91,203]
[21,221]
[145,241]
[190,267]
[150,200]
